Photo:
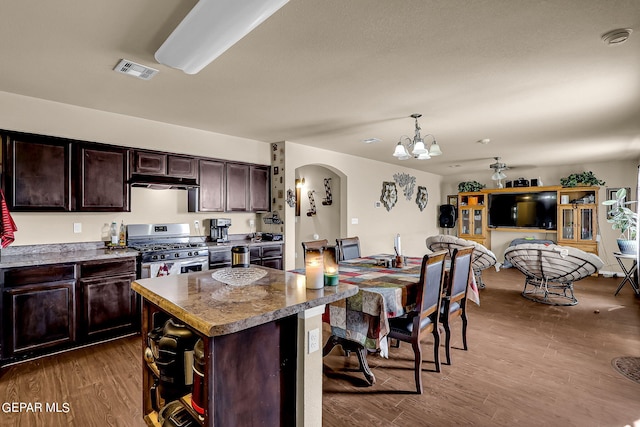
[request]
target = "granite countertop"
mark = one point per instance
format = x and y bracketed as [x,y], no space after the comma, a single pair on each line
[24,256]
[218,302]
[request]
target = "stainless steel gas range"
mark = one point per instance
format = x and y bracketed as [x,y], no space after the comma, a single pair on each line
[166,249]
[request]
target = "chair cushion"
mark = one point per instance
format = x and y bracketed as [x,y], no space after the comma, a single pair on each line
[562,264]
[404,324]
[482,257]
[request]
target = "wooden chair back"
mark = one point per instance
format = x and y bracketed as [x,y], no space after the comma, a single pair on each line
[313,244]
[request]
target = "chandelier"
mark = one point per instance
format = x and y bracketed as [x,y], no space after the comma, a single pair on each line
[417,146]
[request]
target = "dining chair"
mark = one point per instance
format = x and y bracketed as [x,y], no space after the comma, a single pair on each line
[313,244]
[348,247]
[454,301]
[412,326]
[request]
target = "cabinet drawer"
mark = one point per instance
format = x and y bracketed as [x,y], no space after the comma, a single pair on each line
[272,251]
[220,256]
[255,253]
[107,268]
[38,274]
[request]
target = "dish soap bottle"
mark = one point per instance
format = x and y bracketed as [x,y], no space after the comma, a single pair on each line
[114,233]
[123,235]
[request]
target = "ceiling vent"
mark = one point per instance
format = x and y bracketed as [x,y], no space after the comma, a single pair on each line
[136,70]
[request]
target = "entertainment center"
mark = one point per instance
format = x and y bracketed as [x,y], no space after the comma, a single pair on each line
[570,213]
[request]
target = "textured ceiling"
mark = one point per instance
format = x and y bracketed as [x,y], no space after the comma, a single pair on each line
[532,76]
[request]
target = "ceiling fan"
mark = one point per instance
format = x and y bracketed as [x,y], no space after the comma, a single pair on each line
[498,168]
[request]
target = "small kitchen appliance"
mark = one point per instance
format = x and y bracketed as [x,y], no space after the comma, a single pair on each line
[175,360]
[240,256]
[219,230]
[167,249]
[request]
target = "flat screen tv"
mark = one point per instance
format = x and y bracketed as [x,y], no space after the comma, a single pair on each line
[523,210]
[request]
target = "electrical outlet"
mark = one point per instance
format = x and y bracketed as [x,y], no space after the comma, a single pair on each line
[196,223]
[77,227]
[314,340]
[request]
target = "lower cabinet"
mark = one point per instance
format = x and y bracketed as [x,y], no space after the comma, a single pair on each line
[56,307]
[267,256]
[38,309]
[109,306]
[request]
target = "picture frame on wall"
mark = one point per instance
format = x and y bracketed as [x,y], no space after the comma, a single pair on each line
[611,194]
[452,199]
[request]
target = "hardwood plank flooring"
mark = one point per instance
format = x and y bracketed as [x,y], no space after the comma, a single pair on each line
[528,364]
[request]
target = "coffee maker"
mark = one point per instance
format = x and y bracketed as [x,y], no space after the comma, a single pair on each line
[219,230]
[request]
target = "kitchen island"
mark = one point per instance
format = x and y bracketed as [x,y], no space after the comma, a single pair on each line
[255,323]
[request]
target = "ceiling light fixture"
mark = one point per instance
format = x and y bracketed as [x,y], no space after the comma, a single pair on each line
[419,149]
[616,37]
[210,28]
[498,168]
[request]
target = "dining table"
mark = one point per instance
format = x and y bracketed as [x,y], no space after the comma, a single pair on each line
[360,323]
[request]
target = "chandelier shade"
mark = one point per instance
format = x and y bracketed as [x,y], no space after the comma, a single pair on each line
[416,146]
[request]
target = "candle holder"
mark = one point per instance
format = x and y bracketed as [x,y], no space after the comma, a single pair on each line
[313,268]
[330,266]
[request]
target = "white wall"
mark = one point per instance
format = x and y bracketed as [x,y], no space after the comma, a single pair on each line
[361,186]
[20,113]
[326,223]
[615,174]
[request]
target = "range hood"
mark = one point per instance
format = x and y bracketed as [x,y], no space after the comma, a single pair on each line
[160,182]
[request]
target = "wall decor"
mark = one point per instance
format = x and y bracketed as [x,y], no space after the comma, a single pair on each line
[422,197]
[327,190]
[291,198]
[406,182]
[389,195]
[452,199]
[312,204]
[611,195]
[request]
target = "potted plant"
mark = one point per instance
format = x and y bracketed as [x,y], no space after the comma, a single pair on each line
[624,219]
[584,179]
[469,186]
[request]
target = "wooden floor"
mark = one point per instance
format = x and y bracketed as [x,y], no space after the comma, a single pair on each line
[528,364]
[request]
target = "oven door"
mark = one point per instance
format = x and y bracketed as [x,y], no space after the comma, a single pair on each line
[169,268]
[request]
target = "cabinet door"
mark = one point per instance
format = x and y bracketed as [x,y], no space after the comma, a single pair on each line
[37,173]
[587,223]
[149,163]
[259,187]
[273,263]
[566,220]
[210,196]
[38,317]
[109,305]
[182,167]
[102,179]
[237,187]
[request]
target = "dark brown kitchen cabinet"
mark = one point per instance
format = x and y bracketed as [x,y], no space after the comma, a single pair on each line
[39,310]
[210,196]
[164,164]
[259,186]
[36,172]
[266,255]
[102,179]
[109,306]
[237,187]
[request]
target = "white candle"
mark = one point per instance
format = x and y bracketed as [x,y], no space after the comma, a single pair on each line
[315,275]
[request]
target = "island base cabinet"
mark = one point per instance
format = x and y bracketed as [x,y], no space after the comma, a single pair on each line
[250,376]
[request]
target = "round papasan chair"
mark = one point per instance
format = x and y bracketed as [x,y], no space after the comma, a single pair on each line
[551,270]
[481,258]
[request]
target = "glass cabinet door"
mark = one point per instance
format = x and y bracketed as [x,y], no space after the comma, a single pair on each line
[586,223]
[567,232]
[477,222]
[465,219]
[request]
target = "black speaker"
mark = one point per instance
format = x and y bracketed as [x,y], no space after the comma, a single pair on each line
[447,217]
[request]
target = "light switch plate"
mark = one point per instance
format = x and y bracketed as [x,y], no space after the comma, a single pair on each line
[77,227]
[354,221]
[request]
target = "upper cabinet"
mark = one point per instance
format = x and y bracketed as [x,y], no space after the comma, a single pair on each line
[102,179]
[36,173]
[50,174]
[210,196]
[237,187]
[259,189]
[163,164]
[231,187]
